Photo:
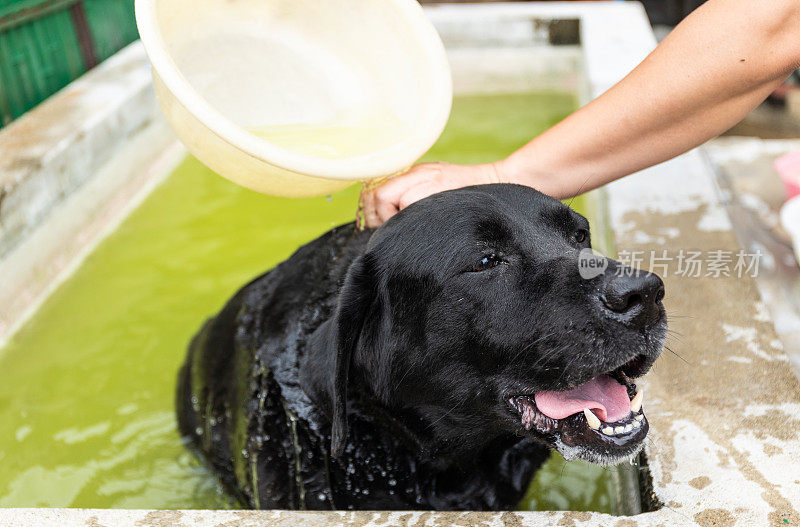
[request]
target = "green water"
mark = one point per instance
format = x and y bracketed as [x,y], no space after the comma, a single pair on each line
[86,387]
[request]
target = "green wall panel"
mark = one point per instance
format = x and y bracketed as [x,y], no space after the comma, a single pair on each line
[112,24]
[40,51]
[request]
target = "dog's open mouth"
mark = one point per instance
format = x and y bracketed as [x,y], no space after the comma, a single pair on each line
[600,420]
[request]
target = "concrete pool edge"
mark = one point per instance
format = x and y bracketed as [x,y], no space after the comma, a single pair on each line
[741,477]
[71,169]
[248,518]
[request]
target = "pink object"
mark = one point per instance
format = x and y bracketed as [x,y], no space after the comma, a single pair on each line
[788,167]
[603,395]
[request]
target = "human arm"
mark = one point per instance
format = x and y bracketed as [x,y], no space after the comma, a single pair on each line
[710,71]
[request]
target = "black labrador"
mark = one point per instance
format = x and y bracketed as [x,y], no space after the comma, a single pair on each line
[428,364]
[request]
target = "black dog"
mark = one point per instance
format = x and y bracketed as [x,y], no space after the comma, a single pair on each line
[424,365]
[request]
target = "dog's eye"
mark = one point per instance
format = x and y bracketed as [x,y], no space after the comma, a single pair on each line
[487,262]
[580,235]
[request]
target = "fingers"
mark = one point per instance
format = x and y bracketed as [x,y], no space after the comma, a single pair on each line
[385,209]
[387,196]
[383,202]
[419,182]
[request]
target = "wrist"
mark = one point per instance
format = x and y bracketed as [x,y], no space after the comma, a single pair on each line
[534,170]
[511,170]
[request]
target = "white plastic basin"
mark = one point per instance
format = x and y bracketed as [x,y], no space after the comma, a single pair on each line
[298,97]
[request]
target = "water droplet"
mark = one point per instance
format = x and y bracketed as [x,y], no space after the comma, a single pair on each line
[392,482]
[198,431]
[321,496]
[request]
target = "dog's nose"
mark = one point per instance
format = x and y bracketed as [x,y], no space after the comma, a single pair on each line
[636,295]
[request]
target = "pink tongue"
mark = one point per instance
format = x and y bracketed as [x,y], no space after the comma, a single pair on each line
[605,396]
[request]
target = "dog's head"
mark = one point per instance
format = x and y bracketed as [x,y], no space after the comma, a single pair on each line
[469,310]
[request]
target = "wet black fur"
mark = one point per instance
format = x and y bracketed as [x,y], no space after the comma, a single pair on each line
[394,337]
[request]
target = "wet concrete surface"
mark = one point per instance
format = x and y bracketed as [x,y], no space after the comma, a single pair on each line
[753,194]
[722,401]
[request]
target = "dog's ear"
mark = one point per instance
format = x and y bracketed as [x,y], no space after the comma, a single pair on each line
[356,298]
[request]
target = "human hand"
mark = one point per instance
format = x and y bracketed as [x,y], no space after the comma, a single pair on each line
[386,200]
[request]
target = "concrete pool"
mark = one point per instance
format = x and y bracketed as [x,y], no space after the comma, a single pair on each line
[724,446]
[93,371]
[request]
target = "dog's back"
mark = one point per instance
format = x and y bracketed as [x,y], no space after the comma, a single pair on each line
[228,397]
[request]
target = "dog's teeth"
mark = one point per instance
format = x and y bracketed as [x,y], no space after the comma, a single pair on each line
[628,428]
[639,418]
[637,423]
[619,429]
[607,430]
[591,419]
[636,402]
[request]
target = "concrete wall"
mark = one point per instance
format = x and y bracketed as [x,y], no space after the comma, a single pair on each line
[69,169]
